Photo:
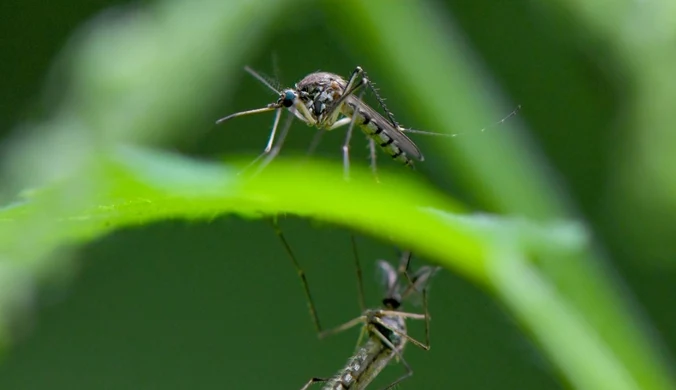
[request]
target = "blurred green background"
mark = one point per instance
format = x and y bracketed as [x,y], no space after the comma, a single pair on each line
[216,304]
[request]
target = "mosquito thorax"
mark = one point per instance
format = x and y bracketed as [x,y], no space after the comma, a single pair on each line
[319,90]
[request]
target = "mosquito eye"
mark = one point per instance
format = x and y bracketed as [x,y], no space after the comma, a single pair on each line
[289,97]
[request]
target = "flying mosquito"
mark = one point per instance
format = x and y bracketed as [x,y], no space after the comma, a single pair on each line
[326,101]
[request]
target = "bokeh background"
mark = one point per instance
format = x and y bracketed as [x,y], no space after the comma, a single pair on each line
[217,304]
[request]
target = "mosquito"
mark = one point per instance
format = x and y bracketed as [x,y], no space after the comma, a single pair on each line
[384,328]
[327,101]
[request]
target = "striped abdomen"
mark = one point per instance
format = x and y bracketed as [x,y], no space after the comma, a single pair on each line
[380,130]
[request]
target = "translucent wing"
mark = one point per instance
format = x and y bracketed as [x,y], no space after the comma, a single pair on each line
[389,277]
[402,141]
[418,282]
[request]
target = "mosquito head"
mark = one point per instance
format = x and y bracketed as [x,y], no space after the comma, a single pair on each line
[392,299]
[287,98]
[399,284]
[392,303]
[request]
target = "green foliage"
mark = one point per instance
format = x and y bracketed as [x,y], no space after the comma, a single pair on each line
[540,264]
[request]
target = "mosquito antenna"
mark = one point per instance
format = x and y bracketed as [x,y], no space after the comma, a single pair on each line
[501,121]
[261,78]
[276,71]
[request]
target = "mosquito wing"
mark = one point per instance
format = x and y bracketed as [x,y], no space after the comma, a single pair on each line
[420,280]
[389,275]
[402,141]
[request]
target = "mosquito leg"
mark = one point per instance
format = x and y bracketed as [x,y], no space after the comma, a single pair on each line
[346,145]
[354,83]
[313,381]
[404,264]
[271,140]
[315,142]
[427,319]
[360,280]
[362,333]
[346,151]
[402,334]
[350,324]
[400,357]
[408,374]
[373,155]
[277,147]
[381,101]
[301,275]
[339,123]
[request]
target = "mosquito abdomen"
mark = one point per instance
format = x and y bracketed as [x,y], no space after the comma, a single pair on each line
[363,366]
[378,131]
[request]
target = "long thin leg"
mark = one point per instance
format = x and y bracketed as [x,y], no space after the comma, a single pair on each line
[350,324]
[397,313]
[346,151]
[301,275]
[313,381]
[426,346]
[387,342]
[403,267]
[363,332]
[427,319]
[373,155]
[360,281]
[381,101]
[271,140]
[354,83]
[315,142]
[408,374]
[402,334]
[346,145]
[339,123]
[404,264]
[277,147]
